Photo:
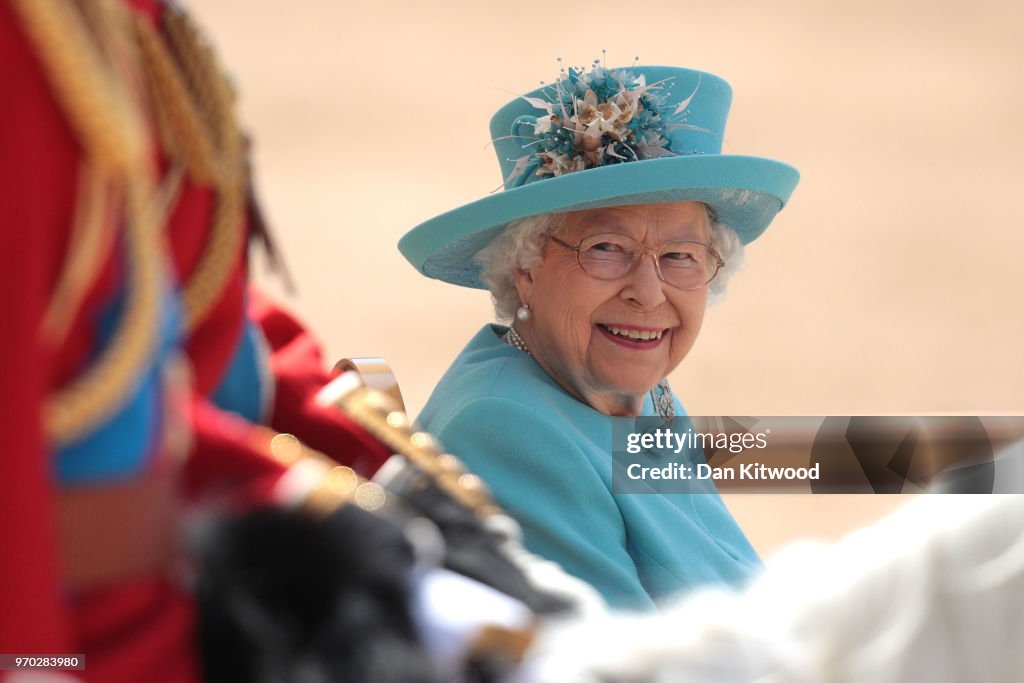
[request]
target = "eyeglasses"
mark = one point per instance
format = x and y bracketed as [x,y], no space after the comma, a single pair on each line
[611,255]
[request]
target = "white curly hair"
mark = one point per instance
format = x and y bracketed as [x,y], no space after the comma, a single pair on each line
[521,243]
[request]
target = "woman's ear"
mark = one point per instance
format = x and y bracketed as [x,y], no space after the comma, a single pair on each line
[524,285]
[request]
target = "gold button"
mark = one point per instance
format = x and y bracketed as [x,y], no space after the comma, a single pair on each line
[342,480]
[449,463]
[286,448]
[369,496]
[397,419]
[471,482]
[422,440]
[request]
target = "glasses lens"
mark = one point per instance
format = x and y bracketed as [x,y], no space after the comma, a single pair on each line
[687,265]
[608,256]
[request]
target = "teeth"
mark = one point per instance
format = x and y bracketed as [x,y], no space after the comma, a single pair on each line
[635,335]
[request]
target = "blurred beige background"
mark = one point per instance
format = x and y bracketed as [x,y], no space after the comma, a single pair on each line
[892,283]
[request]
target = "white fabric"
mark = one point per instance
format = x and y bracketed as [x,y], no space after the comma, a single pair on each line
[932,593]
[450,611]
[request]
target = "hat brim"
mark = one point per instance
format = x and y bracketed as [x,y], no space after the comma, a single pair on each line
[744,192]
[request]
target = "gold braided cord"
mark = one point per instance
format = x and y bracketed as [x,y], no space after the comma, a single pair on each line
[224,246]
[98,106]
[208,85]
[201,129]
[109,125]
[112,57]
[181,131]
[92,233]
[92,397]
[111,23]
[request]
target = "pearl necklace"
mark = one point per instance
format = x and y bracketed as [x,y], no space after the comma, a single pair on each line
[513,339]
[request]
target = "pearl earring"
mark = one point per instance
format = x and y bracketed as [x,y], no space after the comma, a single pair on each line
[523,313]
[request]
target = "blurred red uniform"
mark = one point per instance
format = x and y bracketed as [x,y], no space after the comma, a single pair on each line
[135,362]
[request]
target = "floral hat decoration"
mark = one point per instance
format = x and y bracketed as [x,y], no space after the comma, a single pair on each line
[607,137]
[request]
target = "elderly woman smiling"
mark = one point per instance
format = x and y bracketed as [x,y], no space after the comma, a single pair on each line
[619,219]
[609,329]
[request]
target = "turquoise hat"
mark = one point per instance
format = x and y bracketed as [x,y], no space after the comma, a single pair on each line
[607,137]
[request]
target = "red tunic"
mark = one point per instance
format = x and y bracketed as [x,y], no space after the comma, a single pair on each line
[140,626]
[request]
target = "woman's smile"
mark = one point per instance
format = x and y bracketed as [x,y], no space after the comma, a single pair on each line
[634,337]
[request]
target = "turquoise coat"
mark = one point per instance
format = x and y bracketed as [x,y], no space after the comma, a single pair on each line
[546,457]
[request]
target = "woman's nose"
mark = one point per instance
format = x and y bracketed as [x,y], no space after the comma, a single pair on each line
[644,285]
